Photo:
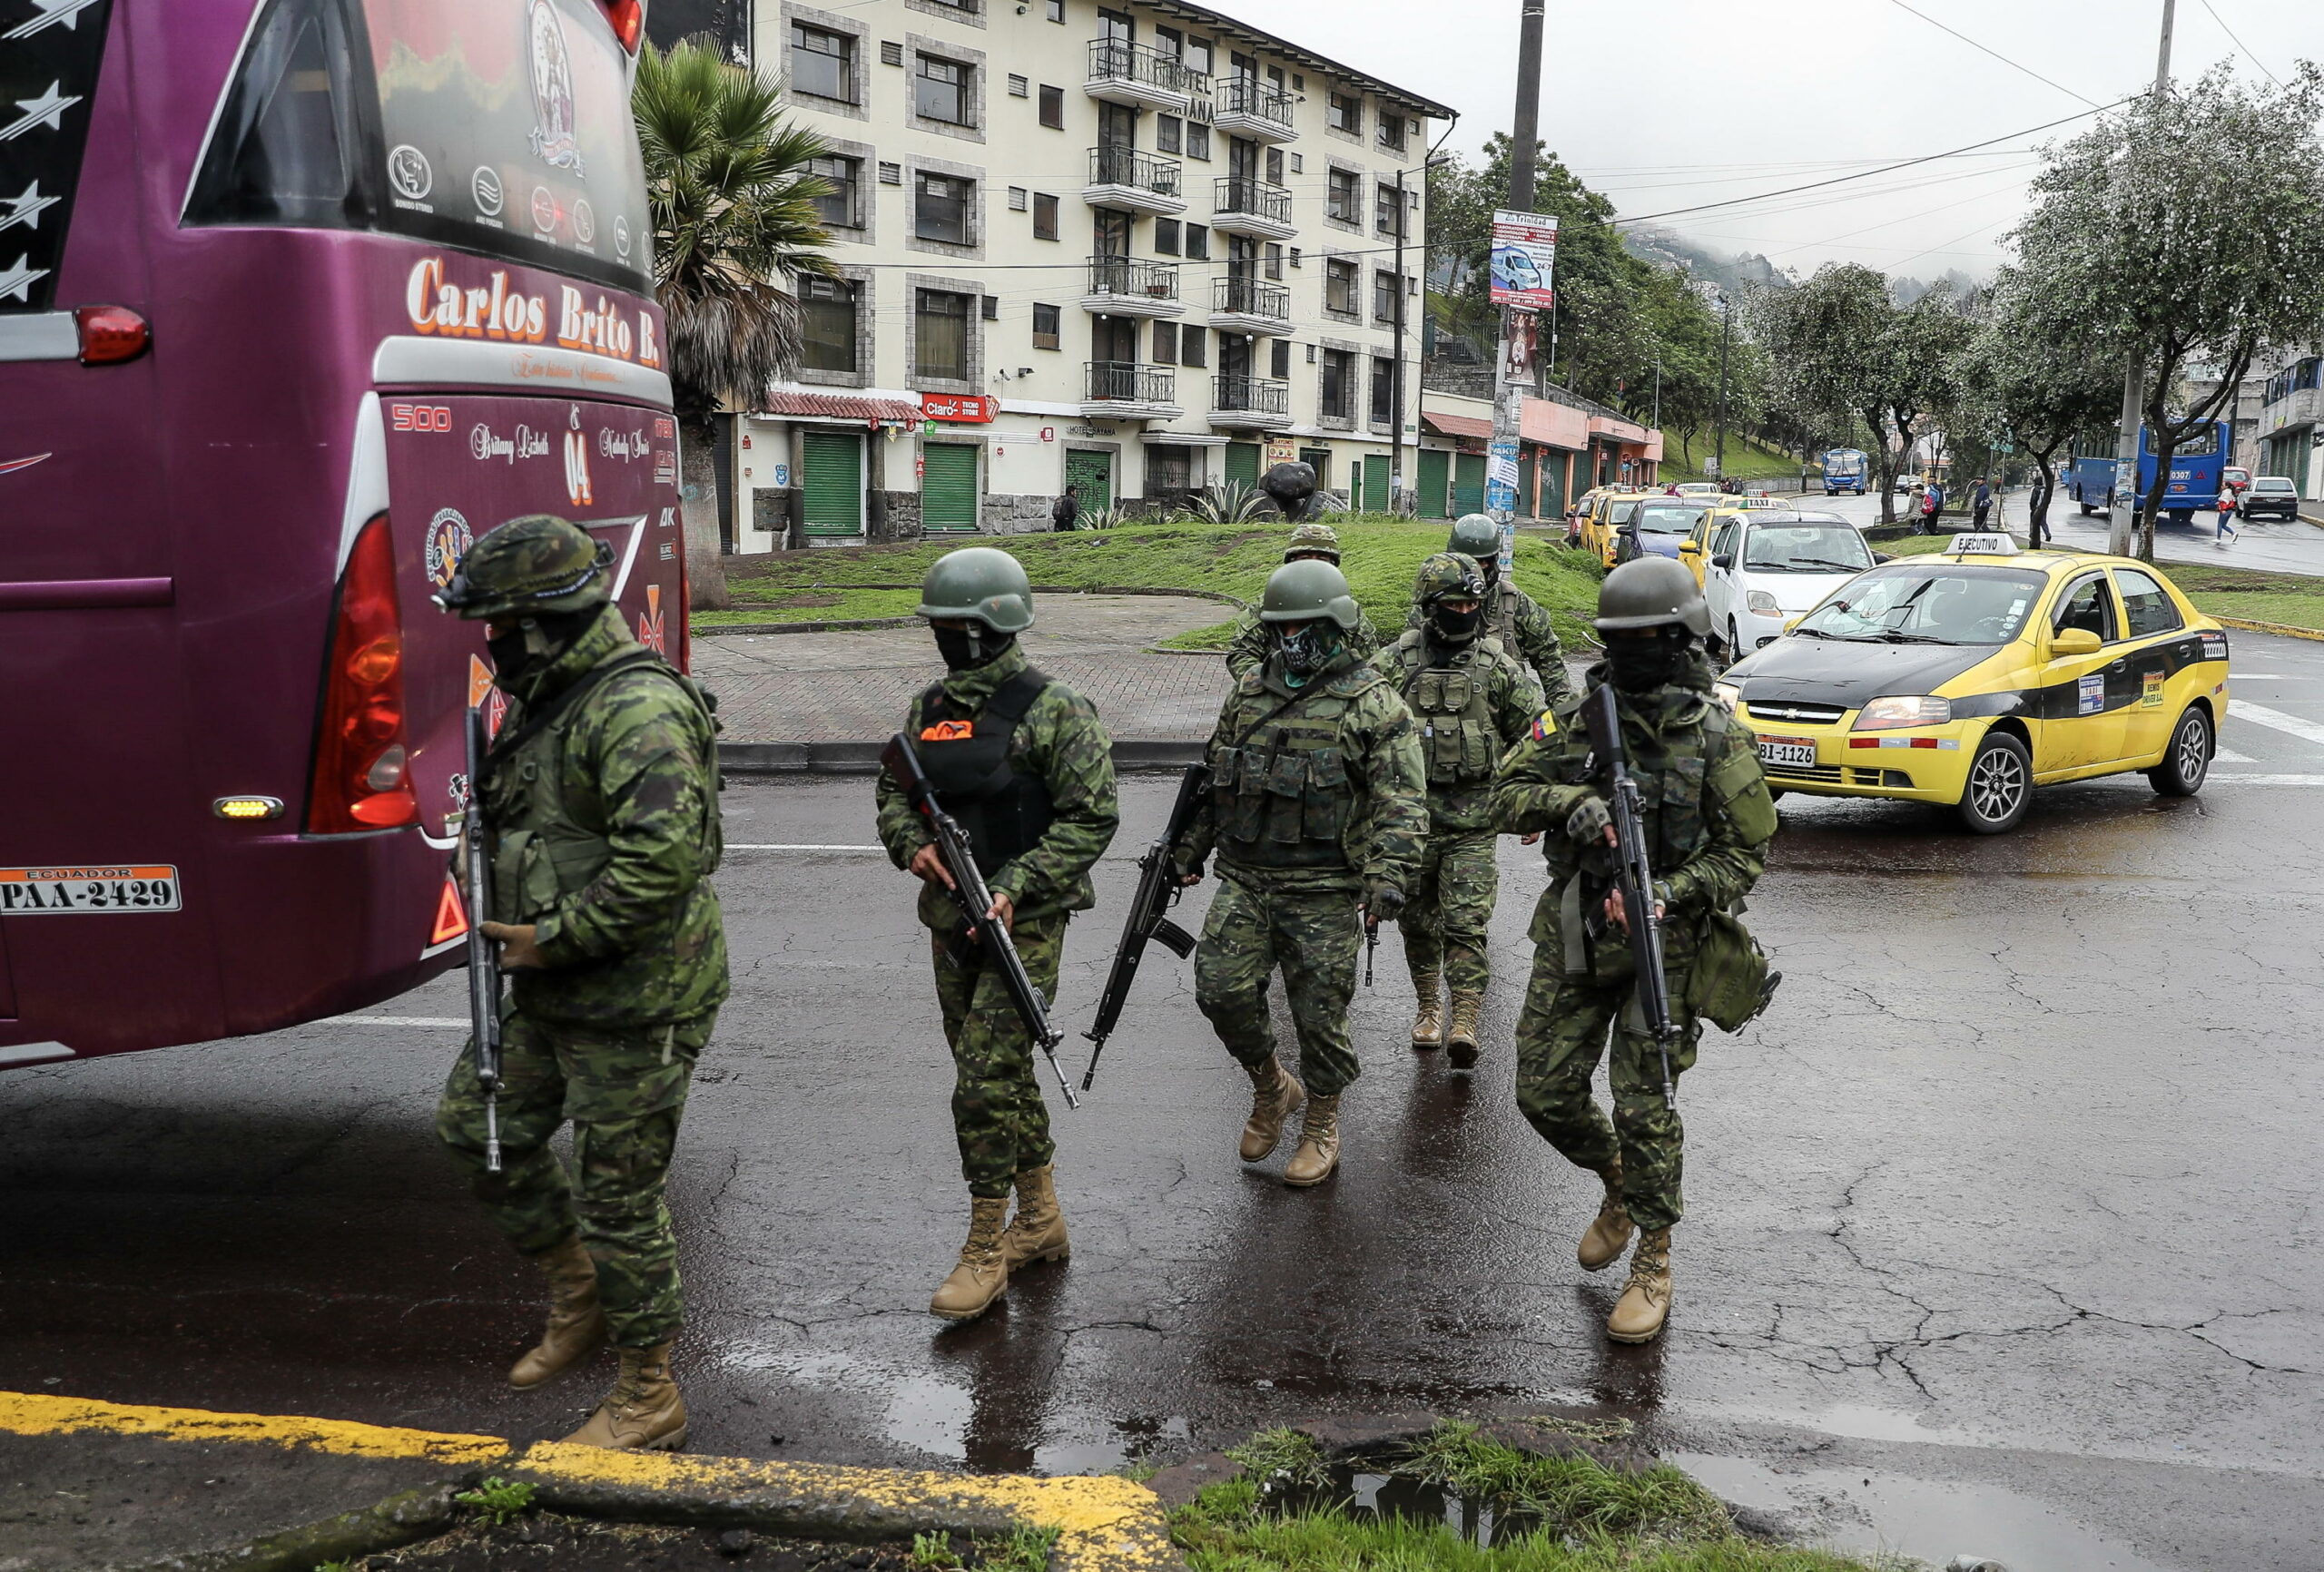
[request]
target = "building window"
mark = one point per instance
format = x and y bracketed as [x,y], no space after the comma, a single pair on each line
[837,207]
[940,336]
[1198,56]
[1045,326]
[1044,216]
[1384,392]
[1197,243]
[1387,212]
[1339,288]
[1199,141]
[1166,343]
[942,212]
[822,64]
[890,174]
[1344,111]
[1166,236]
[1053,107]
[1170,41]
[1274,261]
[1298,164]
[827,324]
[1018,86]
[1340,196]
[1194,346]
[991,305]
[892,51]
[1019,199]
[1294,256]
[1274,166]
[1392,131]
[1282,366]
[1057,11]
[1167,128]
[1339,369]
[942,90]
[1383,296]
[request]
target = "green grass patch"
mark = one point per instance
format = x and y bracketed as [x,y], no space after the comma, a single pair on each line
[1745,459]
[827,606]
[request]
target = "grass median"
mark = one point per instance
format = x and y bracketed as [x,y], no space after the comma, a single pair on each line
[2250,594]
[1379,555]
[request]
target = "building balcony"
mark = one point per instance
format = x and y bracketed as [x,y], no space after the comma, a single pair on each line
[2301,407]
[1122,177]
[1118,390]
[1240,305]
[1250,403]
[1244,206]
[1142,77]
[1246,106]
[1131,286]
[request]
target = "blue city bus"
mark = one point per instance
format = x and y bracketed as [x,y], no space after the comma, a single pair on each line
[1845,469]
[2198,474]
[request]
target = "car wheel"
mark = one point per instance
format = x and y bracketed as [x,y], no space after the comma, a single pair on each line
[1734,643]
[2000,785]
[2188,761]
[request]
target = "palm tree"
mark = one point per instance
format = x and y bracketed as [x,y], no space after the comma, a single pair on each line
[733,208]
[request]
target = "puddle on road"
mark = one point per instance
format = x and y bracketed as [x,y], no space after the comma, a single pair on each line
[1929,1519]
[1362,1493]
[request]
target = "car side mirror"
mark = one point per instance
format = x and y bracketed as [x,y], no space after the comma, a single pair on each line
[2073,641]
[1690,548]
[1724,559]
[1881,557]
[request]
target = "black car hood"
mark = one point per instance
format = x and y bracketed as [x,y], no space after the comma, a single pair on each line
[1849,672]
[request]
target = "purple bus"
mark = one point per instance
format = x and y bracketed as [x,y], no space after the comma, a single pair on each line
[296,298]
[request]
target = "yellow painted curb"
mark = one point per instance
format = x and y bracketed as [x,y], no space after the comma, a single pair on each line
[33,1414]
[2284,628]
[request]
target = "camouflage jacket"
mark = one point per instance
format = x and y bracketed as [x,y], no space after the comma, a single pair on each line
[1525,631]
[1461,747]
[1250,651]
[1318,788]
[605,833]
[1061,741]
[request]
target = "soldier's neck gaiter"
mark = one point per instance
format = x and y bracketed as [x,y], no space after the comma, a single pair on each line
[1642,665]
[964,648]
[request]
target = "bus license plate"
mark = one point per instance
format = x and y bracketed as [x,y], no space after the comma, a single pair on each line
[1792,750]
[110,887]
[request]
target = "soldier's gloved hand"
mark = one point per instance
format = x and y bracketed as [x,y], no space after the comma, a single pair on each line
[1381,901]
[518,950]
[1189,873]
[1589,822]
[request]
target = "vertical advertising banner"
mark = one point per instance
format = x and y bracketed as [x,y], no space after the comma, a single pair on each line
[1525,260]
[1500,485]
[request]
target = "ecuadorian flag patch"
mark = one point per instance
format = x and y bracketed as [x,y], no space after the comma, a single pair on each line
[1545,726]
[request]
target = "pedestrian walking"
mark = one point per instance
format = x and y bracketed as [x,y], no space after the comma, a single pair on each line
[1511,616]
[1981,501]
[1928,504]
[1248,649]
[1707,820]
[1319,814]
[2227,530]
[1066,513]
[1022,762]
[1473,701]
[599,804]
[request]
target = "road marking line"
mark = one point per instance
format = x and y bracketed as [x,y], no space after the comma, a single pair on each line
[446,1021]
[2260,716]
[39,1414]
[2230,756]
[744,846]
[2266,781]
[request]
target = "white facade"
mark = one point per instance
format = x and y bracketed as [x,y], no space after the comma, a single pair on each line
[1162,244]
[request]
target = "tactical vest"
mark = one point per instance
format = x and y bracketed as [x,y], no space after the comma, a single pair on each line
[1281,785]
[966,754]
[542,852]
[1670,791]
[1501,602]
[1455,708]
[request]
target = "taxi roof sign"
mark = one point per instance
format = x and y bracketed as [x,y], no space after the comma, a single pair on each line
[1991,544]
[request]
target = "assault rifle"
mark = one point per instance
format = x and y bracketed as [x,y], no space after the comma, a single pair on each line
[974,900]
[484,955]
[1157,892]
[1634,877]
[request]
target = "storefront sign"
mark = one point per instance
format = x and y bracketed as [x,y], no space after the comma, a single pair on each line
[973,407]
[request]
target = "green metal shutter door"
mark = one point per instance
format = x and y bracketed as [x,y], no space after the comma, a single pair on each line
[832,483]
[1243,462]
[1094,474]
[1468,482]
[1552,497]
[1375,484]
[1436,480]
[948,488]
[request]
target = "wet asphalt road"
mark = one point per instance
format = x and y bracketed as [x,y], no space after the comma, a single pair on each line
[2003,1229]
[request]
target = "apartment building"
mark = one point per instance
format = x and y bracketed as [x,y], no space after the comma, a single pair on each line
[1138,248]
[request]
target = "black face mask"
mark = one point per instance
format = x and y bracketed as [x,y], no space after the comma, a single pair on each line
[520,657]
[1451,627]
[1308,649]
[1642,665]
[965,649]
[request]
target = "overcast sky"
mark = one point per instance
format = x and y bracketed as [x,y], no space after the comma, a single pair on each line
[1669,103]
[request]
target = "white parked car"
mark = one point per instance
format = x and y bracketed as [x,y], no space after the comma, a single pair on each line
[1765,568]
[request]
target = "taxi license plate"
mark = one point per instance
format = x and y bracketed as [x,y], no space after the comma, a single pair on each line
[1789,750]
[108,887]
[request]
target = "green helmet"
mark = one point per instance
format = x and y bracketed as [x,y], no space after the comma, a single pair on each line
[529,566]
[1300,592]
[1476,535]
[1448,573]
[982,585]
[1651,592]
[1318,539]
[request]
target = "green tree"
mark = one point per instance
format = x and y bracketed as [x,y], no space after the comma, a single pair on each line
[2026,375]
[734,218]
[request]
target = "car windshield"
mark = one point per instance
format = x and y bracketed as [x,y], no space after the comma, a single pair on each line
[1806,547]
[1621,512]
[1669,517]
[1931,604]
[2272,484]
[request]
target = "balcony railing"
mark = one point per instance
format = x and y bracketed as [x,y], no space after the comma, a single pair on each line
[1251,297]
[1133,276]
[1250,396]
[1239,193]
[1120,382]
[1249,96]
[1111,59]
[1114,164]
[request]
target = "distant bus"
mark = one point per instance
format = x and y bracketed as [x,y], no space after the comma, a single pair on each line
[1845,469]
[2198,474]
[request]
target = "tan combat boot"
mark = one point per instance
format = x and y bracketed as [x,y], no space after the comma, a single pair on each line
[1319,1145]
[982,1275]
[1037,1232]
[1645,1303]
[1428,1024]
[1460,1041]
[1276,1091]
[644,1411]
[576,1324]
[1609,1233]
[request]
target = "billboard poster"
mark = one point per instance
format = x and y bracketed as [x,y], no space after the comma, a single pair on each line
[1500,483]
[1524,258]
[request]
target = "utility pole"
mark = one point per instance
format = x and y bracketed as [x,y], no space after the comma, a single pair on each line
[1725,331]
[1657,389]
[1526,134]
[2123,517]
[1396,375]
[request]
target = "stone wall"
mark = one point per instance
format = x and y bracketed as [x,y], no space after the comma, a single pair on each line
[1016,514]
[894,515]
[775,509]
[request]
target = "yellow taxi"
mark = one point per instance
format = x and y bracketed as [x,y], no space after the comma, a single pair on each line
[1696,552]
[1609,511]
[1969,677]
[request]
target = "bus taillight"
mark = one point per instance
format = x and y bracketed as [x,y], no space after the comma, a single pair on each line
[628,20]
[363,777]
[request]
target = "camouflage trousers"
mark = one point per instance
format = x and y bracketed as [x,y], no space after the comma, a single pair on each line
[624,1091]
[1314,936]
[997,1114]
[1448,907]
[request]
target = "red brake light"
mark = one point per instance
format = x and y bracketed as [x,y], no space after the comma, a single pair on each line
[628,20]
[110,334]
[362,769]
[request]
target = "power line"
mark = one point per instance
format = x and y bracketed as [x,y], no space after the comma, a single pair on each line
[2254,59]
[2004,59]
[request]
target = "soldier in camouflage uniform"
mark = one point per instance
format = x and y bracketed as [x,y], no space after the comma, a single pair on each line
[1021,760]
[600,801]
[1318,812]
[1512,616]
[1309,543]
[1707,822]
[1472,702]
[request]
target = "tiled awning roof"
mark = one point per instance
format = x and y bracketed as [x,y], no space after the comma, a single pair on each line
[843,406]
[1455,424]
